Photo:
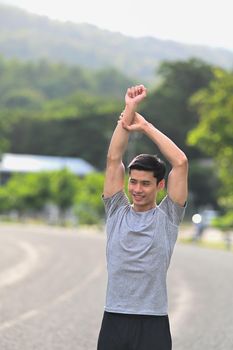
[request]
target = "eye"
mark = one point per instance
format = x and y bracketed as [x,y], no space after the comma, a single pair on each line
[132,181]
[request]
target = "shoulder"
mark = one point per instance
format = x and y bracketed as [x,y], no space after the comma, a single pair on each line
[114,202]
[172,210]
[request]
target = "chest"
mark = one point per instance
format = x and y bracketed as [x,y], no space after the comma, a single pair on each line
[139,242]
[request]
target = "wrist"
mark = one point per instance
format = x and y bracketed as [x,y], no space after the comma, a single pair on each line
[147,127]
[132,105]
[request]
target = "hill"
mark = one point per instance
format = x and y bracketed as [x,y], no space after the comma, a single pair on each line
[33,37]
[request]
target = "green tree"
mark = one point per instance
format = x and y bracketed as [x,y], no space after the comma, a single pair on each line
[203,184]
[77,126]
[88,204]
[63,186]
[214,133]
[25,192]
[168,105]
[22,99]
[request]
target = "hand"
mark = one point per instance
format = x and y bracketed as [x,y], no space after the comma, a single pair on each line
[135,95]
[139,123]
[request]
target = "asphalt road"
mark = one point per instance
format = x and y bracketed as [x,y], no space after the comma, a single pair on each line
[52,290]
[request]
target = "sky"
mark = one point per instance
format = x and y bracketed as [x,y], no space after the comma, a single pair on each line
[202,22]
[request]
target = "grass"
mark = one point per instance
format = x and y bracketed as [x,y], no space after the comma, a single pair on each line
[220,245]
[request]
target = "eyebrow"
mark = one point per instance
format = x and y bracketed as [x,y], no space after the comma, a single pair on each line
[145,181]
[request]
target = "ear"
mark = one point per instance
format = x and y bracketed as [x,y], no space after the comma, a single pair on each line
[161,184]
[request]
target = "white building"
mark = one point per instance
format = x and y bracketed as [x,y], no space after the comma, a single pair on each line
[26,163]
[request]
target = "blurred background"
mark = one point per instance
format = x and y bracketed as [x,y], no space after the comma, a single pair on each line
[64,71]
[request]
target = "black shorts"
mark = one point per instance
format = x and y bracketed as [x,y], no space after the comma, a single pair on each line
[134,332]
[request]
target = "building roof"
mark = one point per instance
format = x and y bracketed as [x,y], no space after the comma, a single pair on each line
[26,163]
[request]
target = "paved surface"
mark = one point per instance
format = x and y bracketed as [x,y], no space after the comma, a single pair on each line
[201,285]
[52,288]
[209,235]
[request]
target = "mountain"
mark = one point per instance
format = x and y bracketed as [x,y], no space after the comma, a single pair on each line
[32,37]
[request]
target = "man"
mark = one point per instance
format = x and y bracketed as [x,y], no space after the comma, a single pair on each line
[141,236]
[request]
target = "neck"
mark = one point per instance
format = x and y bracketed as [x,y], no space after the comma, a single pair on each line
[139,208]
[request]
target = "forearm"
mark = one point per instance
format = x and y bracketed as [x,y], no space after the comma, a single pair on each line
[167,147]
[120,137]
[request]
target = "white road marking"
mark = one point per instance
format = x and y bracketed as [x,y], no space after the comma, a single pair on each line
[23,317]
[60,299]
[183,303]
[18,272]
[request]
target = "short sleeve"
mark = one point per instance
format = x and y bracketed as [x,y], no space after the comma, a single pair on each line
[174,211]
[111,204]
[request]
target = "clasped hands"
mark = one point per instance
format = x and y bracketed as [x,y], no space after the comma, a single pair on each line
[133,97]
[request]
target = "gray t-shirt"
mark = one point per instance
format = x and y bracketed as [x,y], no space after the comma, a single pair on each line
[139,249]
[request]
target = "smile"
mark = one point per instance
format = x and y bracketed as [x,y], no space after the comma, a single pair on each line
[138,196]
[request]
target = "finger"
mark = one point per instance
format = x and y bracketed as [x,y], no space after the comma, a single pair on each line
[133,91]
[144,90]
[129,127]
[137,90]
[129,92]
[140,89]
[124,125]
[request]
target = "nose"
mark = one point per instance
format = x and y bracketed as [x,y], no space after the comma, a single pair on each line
[138,187]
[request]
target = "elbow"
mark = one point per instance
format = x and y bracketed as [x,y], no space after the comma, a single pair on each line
[113,158]
[182,161]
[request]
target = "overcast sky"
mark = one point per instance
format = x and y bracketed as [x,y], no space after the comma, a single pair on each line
[206,22]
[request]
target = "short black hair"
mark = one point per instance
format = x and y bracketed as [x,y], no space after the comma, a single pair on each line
[149,162]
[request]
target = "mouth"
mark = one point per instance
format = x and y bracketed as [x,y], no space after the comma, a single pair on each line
[137,197]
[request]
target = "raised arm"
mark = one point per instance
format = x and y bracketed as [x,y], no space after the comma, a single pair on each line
[115,171]
[177,187]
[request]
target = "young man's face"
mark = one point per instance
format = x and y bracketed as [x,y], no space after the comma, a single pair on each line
[143,189]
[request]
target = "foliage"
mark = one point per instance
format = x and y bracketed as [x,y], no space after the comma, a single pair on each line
[25,192]
[214,133]
[5,200]
[54,109]
[203,184]
[88,204]
[30,83]
[31,37]
[30,193]
[63,186]
[225,222]
[168,105]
